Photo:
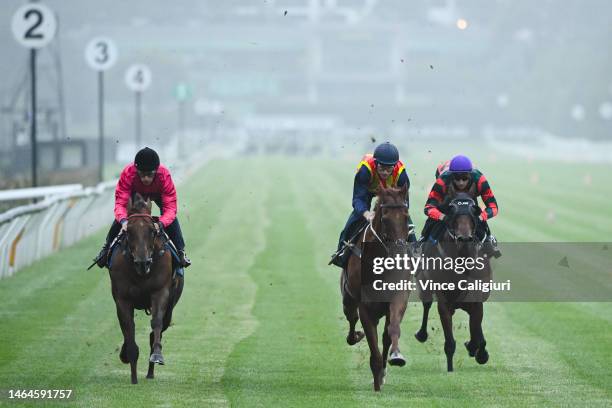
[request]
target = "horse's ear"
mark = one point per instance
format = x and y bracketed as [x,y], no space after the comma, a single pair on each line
[149,204]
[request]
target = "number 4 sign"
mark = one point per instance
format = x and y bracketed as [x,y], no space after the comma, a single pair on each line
[138,77]
[34,25]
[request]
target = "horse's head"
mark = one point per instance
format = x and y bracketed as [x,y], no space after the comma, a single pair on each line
[392,209]
[141,234]
[462,218]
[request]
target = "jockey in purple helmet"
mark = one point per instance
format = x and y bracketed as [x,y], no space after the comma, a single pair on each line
[459,176]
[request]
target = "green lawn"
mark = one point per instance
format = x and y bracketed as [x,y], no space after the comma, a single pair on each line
[261,324]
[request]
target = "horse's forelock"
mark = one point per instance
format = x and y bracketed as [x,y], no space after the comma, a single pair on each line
[139,205]
[395,193]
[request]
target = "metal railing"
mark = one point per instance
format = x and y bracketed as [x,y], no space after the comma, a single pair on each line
[65,215]
[68,213]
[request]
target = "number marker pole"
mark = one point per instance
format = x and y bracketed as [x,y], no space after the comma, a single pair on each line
[33,118]
[101,126]
[181,127]
[138,113]
[101,54]
[33,26]
[138,79]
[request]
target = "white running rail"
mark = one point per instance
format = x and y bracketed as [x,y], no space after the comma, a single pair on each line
[65,215]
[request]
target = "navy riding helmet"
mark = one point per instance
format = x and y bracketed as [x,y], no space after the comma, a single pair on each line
[386,154]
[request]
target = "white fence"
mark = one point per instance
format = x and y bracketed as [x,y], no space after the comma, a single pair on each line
[64,216]
[69,213]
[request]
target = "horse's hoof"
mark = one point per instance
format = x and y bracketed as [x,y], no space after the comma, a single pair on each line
[134,381]
[156,358]
[482,356]
[470,349]
[150,376]
[356,338]
[123,355]
[421,336]
[396,359]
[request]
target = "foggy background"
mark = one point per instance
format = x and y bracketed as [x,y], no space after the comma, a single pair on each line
[314,76]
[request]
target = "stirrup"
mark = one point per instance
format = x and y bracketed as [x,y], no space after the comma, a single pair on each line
[185,262]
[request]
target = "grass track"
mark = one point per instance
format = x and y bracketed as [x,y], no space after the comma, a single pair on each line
[260,322]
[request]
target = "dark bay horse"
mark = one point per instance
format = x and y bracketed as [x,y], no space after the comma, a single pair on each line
[458,241]
[141,278]
[390,225]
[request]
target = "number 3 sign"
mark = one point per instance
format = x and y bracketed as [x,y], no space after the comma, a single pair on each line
[101,53]
[34,25]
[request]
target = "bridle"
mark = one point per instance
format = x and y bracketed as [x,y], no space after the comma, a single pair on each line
[457,210]
[127,250]
[384,239]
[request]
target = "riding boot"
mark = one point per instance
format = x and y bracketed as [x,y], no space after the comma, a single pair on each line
[185,262]
[490,247]
[341,259]
[102,259]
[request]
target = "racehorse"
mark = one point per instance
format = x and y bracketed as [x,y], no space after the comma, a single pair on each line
[458,241]
[388,226]
[141,278]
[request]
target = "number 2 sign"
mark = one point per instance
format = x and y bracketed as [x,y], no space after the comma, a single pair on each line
[34,25]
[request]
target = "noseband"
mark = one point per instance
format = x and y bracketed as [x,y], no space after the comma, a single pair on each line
[128,250]
[383,240]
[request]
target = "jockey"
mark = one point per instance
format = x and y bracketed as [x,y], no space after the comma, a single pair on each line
[383,168]
[452,177]
[150,179]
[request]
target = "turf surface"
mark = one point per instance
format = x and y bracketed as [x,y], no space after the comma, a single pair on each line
[260,322]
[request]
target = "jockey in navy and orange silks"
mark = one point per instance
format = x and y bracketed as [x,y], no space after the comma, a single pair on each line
[454,176]
[383,168]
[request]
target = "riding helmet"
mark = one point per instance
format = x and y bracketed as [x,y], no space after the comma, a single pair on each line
[460,164]
[146,160]
[386,154]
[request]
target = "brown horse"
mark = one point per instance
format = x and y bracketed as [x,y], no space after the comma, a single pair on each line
[390,225]
[141,278]
[458,241]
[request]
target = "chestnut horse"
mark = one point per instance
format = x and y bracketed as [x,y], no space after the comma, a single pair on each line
[390,226]
[141,278]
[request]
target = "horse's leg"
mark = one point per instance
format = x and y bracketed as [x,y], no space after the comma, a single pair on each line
[477,345]
[151,371]
[396,314]
[129,349]
[386,346]
[369,324]
[159,303]
[422,335]
[446,318]
[350,307]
